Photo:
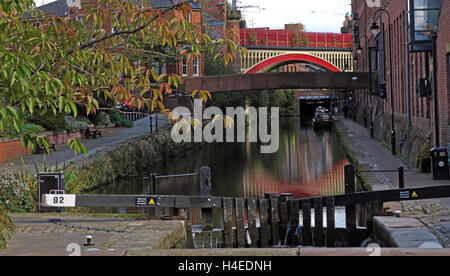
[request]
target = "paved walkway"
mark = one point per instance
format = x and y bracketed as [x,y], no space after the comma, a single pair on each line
[64,235]
[110,139]
[435,214]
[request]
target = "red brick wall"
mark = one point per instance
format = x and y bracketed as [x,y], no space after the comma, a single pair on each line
[422,111]
[443,73]
[214,17]
[12,150]
[196,21]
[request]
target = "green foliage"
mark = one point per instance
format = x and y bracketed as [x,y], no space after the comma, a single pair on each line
[119,120]
[84,119]
[115,117]
[135,158]
[284,99]
[215,65]
[125,123]
[64,64]
[50,121]
[75,124]
[102,118]
[16,194]
[33,128]
[6,227]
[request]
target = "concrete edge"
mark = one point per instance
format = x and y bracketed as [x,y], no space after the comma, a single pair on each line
[403,232]
[177,234]
[301,252]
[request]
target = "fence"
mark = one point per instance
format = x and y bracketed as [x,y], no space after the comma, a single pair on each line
[270,221]
[400,171]
[286,38]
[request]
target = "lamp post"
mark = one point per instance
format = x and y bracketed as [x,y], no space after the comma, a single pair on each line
[359,51]
[375,30]
[370,64]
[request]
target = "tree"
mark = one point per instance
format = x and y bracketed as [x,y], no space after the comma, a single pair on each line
[62,63]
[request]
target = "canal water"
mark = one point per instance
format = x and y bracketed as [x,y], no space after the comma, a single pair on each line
[308,163]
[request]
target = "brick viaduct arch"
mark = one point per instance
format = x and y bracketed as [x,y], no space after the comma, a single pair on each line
[277,61]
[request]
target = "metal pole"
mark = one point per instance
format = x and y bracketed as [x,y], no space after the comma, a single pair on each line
[151,123]
[393,138]
[206,190]
[435,88]
[153,184]
[401,178]
[408,72]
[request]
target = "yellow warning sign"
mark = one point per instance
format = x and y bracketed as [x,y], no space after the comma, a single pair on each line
[152,202]
[415,195]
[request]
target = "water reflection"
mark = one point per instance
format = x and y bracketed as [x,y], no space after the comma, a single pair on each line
[308,163]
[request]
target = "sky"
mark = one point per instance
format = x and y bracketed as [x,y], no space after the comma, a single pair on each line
[316,15]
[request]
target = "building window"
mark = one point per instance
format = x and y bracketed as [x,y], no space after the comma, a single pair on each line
[422,20]
[184,67]
[137,64]
[80,18]
[195,64]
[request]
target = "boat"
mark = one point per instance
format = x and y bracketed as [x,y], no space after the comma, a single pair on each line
[322,118]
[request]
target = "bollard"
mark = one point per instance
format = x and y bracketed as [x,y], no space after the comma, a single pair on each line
[401,178]
[372,135]
[89,241]
[156,122]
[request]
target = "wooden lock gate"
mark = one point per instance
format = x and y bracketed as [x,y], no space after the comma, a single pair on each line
[271,221]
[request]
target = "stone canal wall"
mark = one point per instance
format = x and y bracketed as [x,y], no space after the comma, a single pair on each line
[136,157]
[413,143]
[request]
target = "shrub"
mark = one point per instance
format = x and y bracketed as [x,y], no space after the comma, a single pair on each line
[125,123]
[16,195]
[102,118]
[6,227]
[50,121]
[116,117]
[84,119]
[32,128]
[76,125]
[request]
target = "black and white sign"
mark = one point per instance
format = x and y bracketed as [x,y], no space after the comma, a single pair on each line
[146,201]
[404,195]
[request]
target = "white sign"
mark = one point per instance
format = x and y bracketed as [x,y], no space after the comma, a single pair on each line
[59,201]
[374,3]
[74,3]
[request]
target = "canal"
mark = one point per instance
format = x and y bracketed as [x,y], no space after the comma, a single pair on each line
[308,163]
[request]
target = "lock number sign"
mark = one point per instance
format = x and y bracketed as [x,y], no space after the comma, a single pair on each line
[60,201]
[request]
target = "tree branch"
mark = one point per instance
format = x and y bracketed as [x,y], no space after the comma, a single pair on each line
[127,32]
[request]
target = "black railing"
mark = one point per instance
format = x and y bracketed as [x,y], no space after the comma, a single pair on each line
[401,175]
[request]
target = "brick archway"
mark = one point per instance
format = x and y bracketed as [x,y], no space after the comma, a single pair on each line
[277,61]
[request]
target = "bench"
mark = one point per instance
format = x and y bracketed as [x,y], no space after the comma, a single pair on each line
[42,148]
[91,131]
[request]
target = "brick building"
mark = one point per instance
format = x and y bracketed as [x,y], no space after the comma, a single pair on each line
[73,9]
[421,121]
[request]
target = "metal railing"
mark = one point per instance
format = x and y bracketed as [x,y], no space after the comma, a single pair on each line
[401,175]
